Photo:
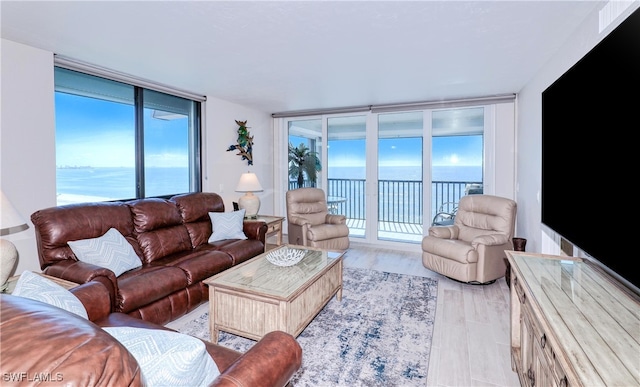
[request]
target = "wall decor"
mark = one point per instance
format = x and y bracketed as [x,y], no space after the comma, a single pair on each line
[245,143]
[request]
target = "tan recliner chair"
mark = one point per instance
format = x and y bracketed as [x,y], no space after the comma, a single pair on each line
[311,224]
[472,249]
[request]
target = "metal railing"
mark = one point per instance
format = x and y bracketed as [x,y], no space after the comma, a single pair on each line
[399,201]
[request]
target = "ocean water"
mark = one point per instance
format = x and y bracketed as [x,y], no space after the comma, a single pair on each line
[119,183]
[95,184]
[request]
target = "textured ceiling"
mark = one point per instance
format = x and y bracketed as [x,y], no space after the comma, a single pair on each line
[296,55]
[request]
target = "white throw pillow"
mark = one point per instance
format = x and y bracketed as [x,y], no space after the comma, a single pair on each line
[167,358]
[227,225]
[111,250]
[36,287]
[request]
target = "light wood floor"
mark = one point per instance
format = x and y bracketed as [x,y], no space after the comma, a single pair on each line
[471,333]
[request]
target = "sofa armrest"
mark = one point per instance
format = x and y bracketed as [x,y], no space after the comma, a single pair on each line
[82,272]
[272,361]
[444,232]
[255,229]
[335,219]
[96,298]
[489,240]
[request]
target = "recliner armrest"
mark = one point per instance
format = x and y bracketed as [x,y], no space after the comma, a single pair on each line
[298,221]
[444,232]
[96,298]
[83,272]
[489,240]
[272,361]
[335,219]
[255,229]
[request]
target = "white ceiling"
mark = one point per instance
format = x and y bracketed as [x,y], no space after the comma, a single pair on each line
[280,56]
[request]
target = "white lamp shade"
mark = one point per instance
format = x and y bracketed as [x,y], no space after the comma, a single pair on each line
[249,183]
[10,219]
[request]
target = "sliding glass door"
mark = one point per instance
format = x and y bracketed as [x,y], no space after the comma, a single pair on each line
[347,152]
[394,174]
[400,185]
[457,145]
[305,154]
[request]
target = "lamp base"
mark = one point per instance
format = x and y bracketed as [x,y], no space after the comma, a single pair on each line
[8,257]
[250,203]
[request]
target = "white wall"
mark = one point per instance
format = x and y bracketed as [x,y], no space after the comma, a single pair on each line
[222,169]
[27,143]
[529,123]
[27,169]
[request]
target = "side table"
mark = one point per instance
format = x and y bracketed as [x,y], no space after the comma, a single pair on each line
[274,229]
[11,282]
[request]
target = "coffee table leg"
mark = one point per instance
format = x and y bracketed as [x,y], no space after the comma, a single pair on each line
[339,294]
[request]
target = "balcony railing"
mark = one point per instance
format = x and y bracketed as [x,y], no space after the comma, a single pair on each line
[399,201]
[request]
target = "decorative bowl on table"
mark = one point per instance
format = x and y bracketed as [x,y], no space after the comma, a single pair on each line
[286,256]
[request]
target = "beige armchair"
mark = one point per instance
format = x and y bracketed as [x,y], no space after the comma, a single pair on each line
[472,248]
[311,224]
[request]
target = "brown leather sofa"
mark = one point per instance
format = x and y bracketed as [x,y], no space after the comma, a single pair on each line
[170,236]
[45,345]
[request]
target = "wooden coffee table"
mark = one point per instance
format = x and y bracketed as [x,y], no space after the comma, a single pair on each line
[257,297]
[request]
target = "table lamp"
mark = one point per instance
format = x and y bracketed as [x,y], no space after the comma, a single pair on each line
[249,202]
[11,222]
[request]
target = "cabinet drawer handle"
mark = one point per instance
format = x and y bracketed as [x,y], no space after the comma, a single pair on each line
[543,340]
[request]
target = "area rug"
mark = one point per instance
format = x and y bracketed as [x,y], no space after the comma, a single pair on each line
[378,335]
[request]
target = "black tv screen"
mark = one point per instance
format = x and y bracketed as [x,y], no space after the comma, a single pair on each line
[590,122]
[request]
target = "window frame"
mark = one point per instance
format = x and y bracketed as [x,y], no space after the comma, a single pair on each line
[194,141]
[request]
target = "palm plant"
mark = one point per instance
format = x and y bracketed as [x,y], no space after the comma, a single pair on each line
[302,161]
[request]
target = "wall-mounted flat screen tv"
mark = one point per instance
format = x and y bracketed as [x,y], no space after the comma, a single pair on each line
[590,152]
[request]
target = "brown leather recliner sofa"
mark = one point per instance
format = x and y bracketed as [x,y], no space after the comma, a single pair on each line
[44,345]
[170,236]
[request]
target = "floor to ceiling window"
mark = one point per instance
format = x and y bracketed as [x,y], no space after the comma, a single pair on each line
[400,182]
[347,151]
[305,164]
[394,173]
[456,159]
[117,141]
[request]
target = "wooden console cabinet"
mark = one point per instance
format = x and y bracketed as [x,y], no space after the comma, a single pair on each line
[571,324]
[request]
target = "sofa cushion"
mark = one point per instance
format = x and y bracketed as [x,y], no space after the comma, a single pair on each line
[159,228]
[239,250]
[55,226]
[110,250]
[147,284]
[199,264]
[227,225]
[36,287]
[167,358]
[196,206]
[40,339]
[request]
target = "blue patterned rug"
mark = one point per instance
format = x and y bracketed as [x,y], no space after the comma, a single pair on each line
[378,335]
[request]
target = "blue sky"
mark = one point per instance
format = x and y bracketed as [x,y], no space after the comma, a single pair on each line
[447,151]
[83,140]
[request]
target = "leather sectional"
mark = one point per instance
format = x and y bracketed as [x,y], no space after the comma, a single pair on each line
[170,236]
[45,345]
